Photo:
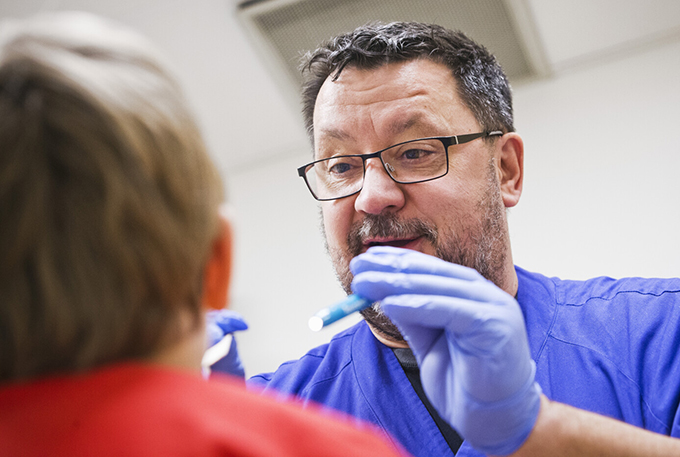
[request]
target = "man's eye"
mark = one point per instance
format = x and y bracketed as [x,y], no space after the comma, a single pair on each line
[339,168]
[412,154]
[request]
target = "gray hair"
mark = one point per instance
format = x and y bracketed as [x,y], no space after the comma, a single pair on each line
[482,84]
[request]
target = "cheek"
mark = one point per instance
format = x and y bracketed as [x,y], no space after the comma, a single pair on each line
[443,200]
[337,218]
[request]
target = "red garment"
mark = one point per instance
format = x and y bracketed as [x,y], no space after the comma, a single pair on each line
[143,410]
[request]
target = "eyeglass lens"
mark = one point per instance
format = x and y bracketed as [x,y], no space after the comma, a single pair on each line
[414,161]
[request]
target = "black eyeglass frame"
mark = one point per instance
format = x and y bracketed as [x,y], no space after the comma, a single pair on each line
[446,141]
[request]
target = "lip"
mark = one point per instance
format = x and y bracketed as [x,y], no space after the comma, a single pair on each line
[405,243]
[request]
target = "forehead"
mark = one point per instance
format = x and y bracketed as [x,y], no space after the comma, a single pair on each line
[413,97]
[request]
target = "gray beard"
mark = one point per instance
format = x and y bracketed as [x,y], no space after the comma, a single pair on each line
[480,244]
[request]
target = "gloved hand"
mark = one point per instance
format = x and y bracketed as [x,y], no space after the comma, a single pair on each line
[468,337]
[219,324]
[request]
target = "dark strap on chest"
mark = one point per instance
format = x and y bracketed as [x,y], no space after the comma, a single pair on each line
[408,362]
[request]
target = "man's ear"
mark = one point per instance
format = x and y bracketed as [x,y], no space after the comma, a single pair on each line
[511,168]
[217,274]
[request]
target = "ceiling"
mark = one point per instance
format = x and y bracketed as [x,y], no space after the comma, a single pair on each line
[282,30]
[237,95]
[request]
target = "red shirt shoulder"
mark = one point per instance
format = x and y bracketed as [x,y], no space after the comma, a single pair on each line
[135,409]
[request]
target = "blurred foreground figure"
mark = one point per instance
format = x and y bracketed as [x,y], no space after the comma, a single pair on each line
[112,249]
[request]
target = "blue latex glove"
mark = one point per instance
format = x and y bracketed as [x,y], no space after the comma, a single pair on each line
[468,337]
[219,324]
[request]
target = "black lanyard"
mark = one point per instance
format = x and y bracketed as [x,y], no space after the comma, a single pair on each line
[408,362]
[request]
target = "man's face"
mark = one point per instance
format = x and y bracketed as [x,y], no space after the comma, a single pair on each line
[459,217]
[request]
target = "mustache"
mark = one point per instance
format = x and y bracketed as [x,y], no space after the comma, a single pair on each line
[388,226]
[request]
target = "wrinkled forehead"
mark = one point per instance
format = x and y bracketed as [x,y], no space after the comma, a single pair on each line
[395,102]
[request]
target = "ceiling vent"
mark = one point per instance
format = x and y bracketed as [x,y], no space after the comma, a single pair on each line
[283,30]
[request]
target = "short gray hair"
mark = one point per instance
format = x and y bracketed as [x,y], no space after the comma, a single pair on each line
[482,84]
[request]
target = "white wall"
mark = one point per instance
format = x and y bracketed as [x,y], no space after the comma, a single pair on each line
[601,197]
[602,194]
[234,99]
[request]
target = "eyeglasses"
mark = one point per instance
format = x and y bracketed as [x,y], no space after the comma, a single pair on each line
[409,162]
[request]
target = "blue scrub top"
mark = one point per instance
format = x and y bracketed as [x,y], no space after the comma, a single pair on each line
[603,345]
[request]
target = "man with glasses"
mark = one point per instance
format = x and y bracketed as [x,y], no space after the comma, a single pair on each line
[414,147]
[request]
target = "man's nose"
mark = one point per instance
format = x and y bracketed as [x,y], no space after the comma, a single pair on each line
[379,192]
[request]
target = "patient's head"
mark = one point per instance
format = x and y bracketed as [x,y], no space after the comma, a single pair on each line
[108,199]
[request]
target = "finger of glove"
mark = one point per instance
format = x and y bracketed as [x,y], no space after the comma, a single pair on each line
[489,349]
[391,259]
[416,313]
[228,321]
[213,333]
[475,329]
[438,377]
[420,338]
[230,363]
[376,285]
[448,377]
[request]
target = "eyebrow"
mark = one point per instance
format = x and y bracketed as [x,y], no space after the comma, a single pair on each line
[401,126]
[336,134]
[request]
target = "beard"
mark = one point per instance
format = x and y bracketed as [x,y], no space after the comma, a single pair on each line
[478,240]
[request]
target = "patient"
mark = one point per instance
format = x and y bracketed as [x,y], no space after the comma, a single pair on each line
[112,249]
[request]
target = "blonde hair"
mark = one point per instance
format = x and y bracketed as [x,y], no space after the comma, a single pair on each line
[108,198]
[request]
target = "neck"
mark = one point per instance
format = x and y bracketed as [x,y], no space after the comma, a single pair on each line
[185,353]
[386,340]
[511,283]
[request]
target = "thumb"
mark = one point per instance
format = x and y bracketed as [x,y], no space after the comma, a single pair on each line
[403,311]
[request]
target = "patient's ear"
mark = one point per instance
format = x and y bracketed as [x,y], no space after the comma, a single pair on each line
[217,273]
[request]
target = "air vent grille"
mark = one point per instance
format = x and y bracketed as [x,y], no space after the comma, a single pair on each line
[285,29]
